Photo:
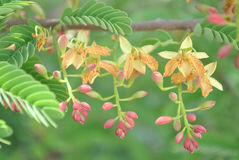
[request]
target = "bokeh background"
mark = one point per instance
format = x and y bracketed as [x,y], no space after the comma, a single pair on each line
[72,141]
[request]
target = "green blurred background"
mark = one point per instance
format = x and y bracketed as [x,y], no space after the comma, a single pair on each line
[71,141]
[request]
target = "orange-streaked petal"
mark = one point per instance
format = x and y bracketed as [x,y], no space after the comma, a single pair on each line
[78,58]
[98,50]
[110,67]
[171,66]
[93,75]
[197,65]
[149,61]
[178,78]
[129,66]
[205,86]
[68,57]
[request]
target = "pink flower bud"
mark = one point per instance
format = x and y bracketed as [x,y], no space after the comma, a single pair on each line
[40,69]
[129,121]
[132,114]
[140,94]
[179,137]
[191,148]
[186,143]
[216,19]
[77,117]
[63,105]
[199,129]
[84,88]
[194,142]
[163,120]
[207,105]
[121,75]
[85,105]
[107,106]
[62,41]
[157,77]
[93,94]
[76,106]
[191,117]
[90,67]
[212,10]
[173,96]
[177,125]
[22,13]
[57,75]
[109,123]
[236,61]
[197,135]
[51,50]
[224,51]
[83,112]
[120,130]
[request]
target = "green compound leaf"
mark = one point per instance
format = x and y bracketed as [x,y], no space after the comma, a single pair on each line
[101,15]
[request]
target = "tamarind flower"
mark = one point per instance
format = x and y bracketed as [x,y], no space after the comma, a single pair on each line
[41,34]
[80,111]
[186,60]
[136,59]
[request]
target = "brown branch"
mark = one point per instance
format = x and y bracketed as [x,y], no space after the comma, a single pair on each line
[137,26]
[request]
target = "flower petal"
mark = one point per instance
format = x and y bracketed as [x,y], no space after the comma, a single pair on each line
[167,54]
[139,66]
[187,43]
[170,66]
[177,78]
[196,64]
[147,48]
[125,45]
[206,86]
[109,66]
[78,58]
[68,57]
[185,68]
[216,84]
[122,58]
[210,68]
[129,66]
[200,55]
[98,50]
[83,36]
[149,61]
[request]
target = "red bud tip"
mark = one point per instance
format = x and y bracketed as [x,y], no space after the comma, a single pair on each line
[109,123]
[132,114]
[179,137]
[163,120]
[57,75]
[216,19]
[63,105]
[85,105]
[191,117]
[224,51]
[140,94]
[199,129]
[62,41]
[90,67]
[173,96]
[157,77]
[177,125]
[107,106]
[84,88]
[121,75]
[40,69]
[236,61]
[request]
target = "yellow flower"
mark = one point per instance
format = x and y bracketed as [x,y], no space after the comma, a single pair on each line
[42,35]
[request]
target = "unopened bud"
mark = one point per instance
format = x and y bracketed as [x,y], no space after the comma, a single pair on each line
[194,142]
[179,137]
[186,143]
[85,105]
[157,78]
[40,69]
[84,88]
[163,120]
[93,94]
[216,19]
[173,96]
[121,75]
[57,75]
[107,106]
[224,51]
[191,117]
[177,125]
[199,129]
[62,41]
[212,10]
[22,13]
[76,106]
[132,114]
[109,123]
[207,105]
[63,105]
[140,94]
[90,67]
[236,61]
[197,135]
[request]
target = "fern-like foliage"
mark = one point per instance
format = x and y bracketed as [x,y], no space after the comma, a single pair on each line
[7,8]
[27,94]
[101,15]
[223,34]
[54,85]
[5,131]
[21,37]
